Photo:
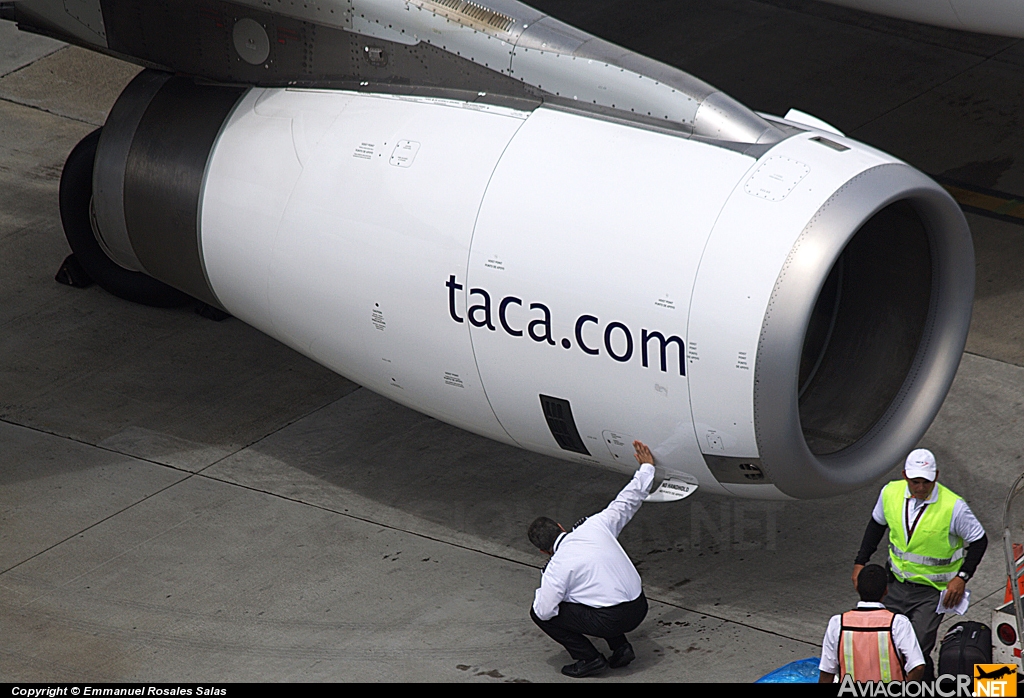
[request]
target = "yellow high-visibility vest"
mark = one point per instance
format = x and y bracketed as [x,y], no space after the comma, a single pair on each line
[929,558]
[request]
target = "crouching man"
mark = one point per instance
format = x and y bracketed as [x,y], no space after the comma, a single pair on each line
[590,586]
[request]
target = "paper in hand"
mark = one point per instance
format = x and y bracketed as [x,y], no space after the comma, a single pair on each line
[960,609]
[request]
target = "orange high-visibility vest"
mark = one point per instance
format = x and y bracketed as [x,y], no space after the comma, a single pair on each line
[866,649]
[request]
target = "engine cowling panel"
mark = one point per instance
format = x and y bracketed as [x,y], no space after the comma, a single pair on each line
[566,282]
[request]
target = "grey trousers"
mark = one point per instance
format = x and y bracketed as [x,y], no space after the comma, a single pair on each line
[917,602]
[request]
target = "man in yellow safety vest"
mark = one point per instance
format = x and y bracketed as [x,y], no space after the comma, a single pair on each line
[929,527]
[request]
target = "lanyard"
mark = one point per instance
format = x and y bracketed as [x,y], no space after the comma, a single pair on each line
[907,526]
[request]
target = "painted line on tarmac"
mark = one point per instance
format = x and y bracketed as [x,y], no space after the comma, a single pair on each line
[98,521]
[985,202]
[201,474]
[36,107]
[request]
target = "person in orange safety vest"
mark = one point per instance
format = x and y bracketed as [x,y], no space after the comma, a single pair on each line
[871,643]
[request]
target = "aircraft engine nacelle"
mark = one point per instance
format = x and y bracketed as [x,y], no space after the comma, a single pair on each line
[774,320]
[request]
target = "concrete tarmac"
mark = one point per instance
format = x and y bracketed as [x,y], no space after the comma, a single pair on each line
[187,500]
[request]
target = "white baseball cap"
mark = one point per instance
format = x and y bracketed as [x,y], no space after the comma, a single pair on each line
[920,463]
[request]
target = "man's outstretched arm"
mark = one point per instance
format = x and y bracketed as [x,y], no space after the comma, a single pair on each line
[625,505]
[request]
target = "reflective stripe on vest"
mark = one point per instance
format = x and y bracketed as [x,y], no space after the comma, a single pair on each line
[924,559]
[866,647]
[928,558]
[884,640]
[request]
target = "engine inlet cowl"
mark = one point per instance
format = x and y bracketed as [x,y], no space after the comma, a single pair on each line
[863,333]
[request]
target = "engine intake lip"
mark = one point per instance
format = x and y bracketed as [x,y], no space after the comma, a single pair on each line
[786,457]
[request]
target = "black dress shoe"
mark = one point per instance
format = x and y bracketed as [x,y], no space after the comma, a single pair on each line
[585,667]
[621,657]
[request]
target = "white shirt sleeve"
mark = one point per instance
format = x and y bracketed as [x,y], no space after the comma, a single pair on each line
[878,513]
[965,524]
[617,514]
[906,642]
[552,590]
[830,647]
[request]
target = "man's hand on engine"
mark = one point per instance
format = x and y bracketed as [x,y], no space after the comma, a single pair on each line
[643,454]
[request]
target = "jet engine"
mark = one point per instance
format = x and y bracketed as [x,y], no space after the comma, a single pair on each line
[776,320]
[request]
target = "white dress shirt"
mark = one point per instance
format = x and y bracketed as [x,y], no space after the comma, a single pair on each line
[963,526]
[902,636]
[589,566]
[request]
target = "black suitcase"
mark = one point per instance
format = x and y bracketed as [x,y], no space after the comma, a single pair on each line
[964,645]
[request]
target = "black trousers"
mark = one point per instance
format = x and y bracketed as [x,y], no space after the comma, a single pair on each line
[574,620]
[917,602]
